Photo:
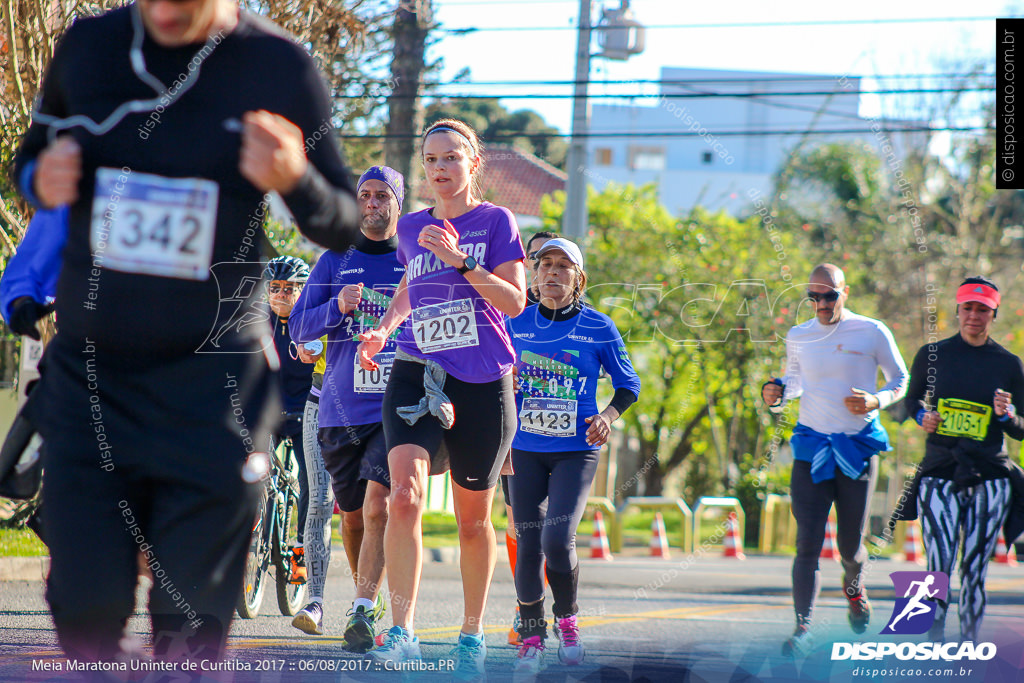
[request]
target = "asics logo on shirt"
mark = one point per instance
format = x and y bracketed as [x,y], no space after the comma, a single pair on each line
[425,264]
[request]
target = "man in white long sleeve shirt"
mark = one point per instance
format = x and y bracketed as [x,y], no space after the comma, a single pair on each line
[832,364]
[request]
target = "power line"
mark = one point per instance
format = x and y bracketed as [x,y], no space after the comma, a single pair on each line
[722,81]
[713,95]
[717,134]
[745,24]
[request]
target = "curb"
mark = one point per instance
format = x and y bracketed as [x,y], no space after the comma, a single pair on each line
[24,568]
[36,568]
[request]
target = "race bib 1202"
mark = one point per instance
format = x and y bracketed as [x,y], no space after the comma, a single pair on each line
[449,325]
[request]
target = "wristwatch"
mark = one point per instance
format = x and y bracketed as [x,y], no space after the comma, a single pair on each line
[467,265]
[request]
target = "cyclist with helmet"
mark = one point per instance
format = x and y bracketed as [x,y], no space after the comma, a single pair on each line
[284,277]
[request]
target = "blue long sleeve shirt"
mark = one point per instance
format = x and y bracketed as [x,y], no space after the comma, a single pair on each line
[350,395]
[558,363]
[35,266]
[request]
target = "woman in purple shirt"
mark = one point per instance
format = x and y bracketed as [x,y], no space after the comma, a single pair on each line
[450,390]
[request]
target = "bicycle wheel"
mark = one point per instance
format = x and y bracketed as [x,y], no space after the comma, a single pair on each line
[290,596]
[257,561]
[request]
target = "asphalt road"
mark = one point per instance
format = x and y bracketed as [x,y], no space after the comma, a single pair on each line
[684,619]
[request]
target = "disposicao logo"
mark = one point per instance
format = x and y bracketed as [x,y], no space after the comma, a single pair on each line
[914,612]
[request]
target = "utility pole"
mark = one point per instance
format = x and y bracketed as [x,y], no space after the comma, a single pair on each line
[413,21]
[574,221]
[620,37]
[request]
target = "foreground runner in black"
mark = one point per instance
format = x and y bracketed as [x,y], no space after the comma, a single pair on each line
[967,393]
[561,346]
[166,147]
[832,362]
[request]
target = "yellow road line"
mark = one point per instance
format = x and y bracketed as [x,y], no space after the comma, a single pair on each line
[675,613]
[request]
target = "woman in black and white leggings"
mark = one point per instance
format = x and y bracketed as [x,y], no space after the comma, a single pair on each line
[561,346]
[964,391]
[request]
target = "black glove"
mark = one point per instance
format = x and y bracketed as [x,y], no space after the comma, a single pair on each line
[25,311]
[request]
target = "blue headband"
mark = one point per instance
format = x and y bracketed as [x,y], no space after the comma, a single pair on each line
[389,177]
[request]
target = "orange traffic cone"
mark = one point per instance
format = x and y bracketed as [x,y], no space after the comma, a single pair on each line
[599,549]
[829,551]
[733,542]
[659,539]
[913,551]
[1004,555]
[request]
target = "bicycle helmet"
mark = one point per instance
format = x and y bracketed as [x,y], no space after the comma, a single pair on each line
[289,268]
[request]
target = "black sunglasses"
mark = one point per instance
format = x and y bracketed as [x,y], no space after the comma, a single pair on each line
[829,296]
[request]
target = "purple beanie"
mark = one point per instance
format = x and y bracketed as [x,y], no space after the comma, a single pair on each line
[388,176]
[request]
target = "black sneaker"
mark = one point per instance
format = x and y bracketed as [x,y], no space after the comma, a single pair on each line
[859,613]
[360,630]
[310,619]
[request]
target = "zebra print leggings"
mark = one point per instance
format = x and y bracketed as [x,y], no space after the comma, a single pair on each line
[978,512]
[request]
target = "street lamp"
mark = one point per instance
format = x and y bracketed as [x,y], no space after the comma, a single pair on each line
[620,36]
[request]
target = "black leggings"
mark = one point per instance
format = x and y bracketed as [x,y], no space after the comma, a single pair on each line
[811,504]
[559,482]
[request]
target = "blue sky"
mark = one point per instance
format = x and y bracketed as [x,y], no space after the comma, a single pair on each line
[863,49]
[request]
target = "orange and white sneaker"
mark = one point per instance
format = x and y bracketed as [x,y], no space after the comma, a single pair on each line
[514,639]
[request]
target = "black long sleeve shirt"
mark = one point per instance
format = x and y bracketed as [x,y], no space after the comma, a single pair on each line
[255,66]
[952,370]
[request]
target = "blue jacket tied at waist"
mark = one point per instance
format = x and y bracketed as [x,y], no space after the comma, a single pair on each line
[849,451]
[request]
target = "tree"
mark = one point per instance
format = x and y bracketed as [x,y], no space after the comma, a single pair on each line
[524,129]
[405,120]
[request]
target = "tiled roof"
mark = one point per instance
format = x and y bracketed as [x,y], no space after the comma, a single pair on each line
[513,179]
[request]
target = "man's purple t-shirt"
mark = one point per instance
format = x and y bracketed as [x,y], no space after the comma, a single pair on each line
[450,322]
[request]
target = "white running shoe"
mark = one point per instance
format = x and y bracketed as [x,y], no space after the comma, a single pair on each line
[529,661]
[570,649]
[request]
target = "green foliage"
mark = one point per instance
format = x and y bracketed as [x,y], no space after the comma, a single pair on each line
[701,303]
[757,479]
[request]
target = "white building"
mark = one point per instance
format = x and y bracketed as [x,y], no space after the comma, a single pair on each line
[710,167]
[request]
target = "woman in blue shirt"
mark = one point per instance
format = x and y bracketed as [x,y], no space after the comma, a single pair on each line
[561,346]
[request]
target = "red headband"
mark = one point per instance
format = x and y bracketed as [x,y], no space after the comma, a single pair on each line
[975,291]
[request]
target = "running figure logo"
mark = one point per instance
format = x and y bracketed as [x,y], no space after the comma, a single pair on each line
[914,612]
